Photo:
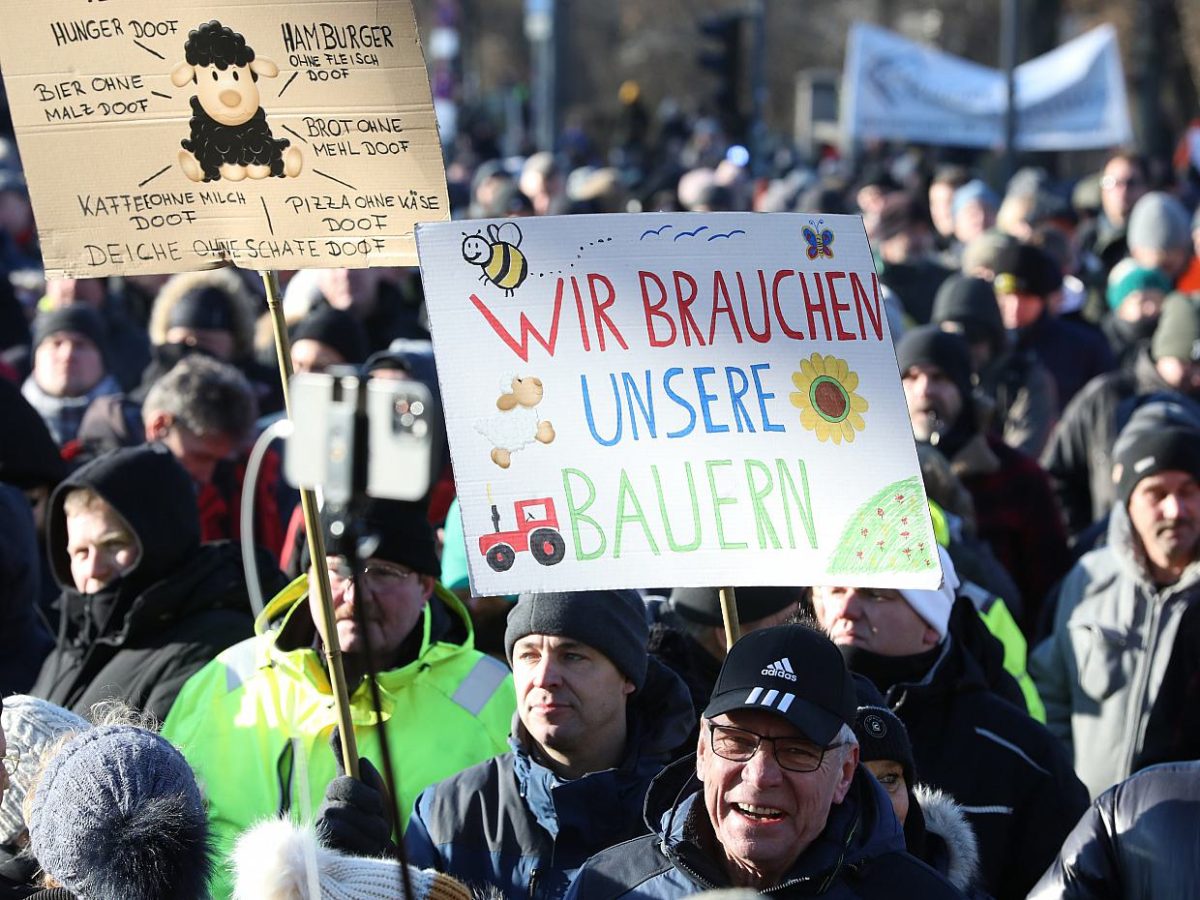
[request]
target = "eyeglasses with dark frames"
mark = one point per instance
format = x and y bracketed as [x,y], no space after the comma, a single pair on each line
[791,753]
[377,574]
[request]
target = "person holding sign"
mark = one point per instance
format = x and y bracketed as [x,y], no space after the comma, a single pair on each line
[1013,778]
[255,722]
[775,799]
[596,720]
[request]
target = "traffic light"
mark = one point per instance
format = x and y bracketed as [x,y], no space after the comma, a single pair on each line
[725,59]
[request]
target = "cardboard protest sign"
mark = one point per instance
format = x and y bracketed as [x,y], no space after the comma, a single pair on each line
[674,400]
[162,138]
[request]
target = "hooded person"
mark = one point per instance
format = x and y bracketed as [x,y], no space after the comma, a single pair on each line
[116,814]
[597,718]
[254,722]
[1135,297]
[1005,769]
[774,799]
[327,337]
[1159,235]
[143,605]
[936,830]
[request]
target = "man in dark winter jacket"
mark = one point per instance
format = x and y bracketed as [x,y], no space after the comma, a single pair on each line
[1136,842]
[144,605]
[596,720]
[1012,777]
[1014,507]
[775,800]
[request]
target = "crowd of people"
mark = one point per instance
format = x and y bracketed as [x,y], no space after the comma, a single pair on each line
[1029,728]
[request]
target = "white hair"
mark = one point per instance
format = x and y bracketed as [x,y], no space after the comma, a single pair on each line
[846,736]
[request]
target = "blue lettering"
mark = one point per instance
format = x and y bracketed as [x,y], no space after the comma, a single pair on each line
[691,411]
[735,398]
[646,405]
[706,400]
[587,410]
[763,397]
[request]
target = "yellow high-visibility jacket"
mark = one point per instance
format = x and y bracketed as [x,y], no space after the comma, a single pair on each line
[255,723]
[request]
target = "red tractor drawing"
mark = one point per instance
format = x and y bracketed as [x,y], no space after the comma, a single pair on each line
[537,532]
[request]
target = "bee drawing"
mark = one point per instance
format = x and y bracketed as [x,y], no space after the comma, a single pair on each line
[818,239]
[497,254]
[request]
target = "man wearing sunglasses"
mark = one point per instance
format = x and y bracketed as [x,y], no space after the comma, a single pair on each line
[774,799]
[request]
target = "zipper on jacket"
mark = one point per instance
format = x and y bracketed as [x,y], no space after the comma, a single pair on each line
[533,880]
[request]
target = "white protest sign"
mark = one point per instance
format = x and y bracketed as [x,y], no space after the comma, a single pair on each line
[673,400]
[1072,98]
[164,138]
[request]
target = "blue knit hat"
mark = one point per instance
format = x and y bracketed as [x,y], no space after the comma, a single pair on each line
[118,815]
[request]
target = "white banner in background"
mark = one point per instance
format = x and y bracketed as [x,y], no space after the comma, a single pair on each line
[1072,98]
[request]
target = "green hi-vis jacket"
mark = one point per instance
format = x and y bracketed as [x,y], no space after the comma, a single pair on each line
[999,622]
[255,723]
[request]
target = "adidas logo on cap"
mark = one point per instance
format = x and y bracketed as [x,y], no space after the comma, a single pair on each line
[781,668]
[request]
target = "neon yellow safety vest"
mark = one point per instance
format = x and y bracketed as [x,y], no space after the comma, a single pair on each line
[255,722]
[999,622]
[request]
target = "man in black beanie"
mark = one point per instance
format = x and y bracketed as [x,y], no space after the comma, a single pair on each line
[327,337]
[1119,609]
[69,368]
[1014,506]
[597,718]
[244,720]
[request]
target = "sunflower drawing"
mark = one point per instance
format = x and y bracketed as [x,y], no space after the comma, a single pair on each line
[825,395]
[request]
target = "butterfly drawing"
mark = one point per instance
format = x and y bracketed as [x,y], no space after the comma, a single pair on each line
[818,239]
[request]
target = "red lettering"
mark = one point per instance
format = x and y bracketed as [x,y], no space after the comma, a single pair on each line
[765,336]
[863,302]
[654,310]
[818,307]
[583,332]
[787,329]
[686,322]
[838,308]
[721,290]
[598,311]
[527,329]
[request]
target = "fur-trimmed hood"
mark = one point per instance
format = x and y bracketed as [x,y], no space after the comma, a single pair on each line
[244,305]
[946,824]
[279,860]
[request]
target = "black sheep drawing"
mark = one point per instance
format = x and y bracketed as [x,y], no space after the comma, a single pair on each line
[229,136]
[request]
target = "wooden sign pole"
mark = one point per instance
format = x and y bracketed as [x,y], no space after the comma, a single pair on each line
[729,614]
[316,544]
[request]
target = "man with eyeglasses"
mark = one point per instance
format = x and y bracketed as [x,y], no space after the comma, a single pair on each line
[1011,776]
[774,799]
[597,719]
[1122,183]
[255,723]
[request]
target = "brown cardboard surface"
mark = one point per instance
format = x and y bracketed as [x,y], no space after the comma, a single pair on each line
[102,107]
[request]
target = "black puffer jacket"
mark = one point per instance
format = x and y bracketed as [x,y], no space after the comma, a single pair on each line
[1012,777]
[1136,842]
[146,633]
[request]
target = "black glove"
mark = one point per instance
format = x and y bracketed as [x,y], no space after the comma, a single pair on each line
[355,816]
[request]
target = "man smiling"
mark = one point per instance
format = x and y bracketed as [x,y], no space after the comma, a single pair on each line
[781,804]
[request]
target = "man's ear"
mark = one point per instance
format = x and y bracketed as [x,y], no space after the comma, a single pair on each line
[182,74]
[846,774]
[264,67]
[930,638]
[158,425]
[426,586]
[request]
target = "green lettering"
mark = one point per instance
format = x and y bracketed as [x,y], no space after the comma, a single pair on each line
[757,495]
[803,507]
[662,508]
[624,493]
[719,501]
[575,513]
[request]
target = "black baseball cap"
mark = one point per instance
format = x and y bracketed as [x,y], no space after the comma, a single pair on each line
[792,671]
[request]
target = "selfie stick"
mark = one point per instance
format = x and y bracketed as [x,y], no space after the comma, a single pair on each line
[729,614]
[316,545]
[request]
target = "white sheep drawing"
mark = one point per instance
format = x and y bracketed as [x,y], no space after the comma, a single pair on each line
[517,424]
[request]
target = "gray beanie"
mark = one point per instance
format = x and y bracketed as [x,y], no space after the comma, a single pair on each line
[118,816]
[1159,221]
[614,622]
[30,727]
